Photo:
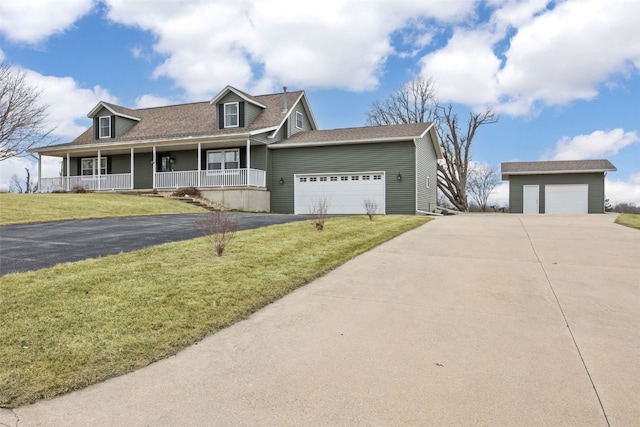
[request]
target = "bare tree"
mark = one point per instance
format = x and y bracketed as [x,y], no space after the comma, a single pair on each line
[16,185]
[22,115]
[456,143]
[481,182]
[415,102]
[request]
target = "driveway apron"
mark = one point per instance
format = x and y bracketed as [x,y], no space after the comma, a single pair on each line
[490,320]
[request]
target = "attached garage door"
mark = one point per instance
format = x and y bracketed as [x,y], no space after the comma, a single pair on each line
[345,193]
[566,199]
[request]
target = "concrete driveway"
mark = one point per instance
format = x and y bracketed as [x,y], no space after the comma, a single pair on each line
[34,246]
[494,320]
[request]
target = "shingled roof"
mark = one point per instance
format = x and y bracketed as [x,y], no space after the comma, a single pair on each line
[191,120]
[555,167]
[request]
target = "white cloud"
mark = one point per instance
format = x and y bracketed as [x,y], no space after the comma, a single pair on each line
[621,191]
[251,45]
[31,21]
[552,56]
[564,54]
[465,70]
[148,100]
[598,144]
[68,103]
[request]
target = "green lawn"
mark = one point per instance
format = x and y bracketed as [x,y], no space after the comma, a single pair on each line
[24,208]
[629,220]
[72,325]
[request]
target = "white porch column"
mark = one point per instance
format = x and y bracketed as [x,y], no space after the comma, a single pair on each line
[153,166]
[248,162]
[69,171]
[99,166]
[199,162]
[132,162]
[39,173]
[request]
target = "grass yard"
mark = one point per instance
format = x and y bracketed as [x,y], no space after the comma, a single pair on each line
[629,220]
[25,208]
[76,324]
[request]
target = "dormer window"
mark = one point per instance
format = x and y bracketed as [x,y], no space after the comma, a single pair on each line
[231,115]
[105,127]
[298,120]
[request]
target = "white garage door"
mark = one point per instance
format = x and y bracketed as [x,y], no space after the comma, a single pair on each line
[345,193]
[566,199]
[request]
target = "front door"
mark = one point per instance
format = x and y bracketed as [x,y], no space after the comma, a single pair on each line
[530,199]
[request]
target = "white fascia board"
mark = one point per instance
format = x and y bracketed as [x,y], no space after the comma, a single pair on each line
[558,172]
[435,141]
[228,89]
[302,98]
[101,104]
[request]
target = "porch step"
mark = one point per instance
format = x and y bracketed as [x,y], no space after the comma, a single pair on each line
[195,203]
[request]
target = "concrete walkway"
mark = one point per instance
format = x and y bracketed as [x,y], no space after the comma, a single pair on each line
[496,320]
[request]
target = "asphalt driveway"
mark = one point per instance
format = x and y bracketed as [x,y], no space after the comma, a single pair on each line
[33,246]
[470,320]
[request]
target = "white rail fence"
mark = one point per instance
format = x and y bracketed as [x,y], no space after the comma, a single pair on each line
[176,179]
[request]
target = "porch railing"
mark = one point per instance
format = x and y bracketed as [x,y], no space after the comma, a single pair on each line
[208,178]
[212,178]
[119,181]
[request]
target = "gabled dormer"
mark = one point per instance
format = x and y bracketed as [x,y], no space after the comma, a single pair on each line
[236,109]
[111,121]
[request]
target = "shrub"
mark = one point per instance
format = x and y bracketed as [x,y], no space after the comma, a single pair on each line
[319,209]
[186,191]
[371,207]
[79,189]
[219,226]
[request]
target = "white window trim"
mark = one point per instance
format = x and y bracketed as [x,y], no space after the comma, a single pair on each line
[100,127]
[223,169]
[94,170]
[428,182]
[299,115]
[237,104]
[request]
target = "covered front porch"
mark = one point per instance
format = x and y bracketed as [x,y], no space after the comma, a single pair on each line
[202,165]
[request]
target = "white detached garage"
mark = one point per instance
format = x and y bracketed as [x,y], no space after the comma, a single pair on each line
[556,187]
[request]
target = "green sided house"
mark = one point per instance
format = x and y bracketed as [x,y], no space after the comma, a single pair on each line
[253,153]
[556,187]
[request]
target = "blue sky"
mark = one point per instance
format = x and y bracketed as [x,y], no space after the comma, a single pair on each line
[563,75]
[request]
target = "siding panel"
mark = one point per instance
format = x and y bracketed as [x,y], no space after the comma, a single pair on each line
[389,157]
[595,181]
[426,174]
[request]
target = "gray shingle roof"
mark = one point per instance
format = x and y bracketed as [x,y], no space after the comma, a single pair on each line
[191,120]
[369,133]
[555,167]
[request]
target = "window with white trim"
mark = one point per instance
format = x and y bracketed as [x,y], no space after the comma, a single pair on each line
[299,118]
[231,115]
[377,177]
[334,178]
[428,183]
[223,159]
[344,178]
[303,179]
[90,166]
[323,178]
[104,126]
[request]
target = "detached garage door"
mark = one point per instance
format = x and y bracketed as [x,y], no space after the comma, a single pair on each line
[345,193]
[566,199]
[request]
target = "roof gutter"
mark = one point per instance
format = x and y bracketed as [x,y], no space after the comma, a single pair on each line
[343,142]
